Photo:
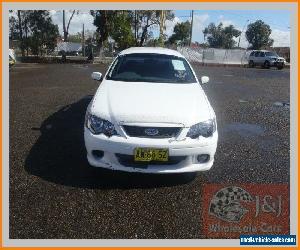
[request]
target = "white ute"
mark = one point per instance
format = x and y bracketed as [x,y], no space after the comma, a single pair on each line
[151,115]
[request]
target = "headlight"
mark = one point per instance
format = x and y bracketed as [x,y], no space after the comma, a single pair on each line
[205,129]
[99,126]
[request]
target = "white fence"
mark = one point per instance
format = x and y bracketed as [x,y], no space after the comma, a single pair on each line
[215,56]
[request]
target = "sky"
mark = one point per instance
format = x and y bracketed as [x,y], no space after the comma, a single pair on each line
[279,21]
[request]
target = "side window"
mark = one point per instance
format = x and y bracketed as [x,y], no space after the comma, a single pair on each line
[257,54]
[262,54]
[252,53]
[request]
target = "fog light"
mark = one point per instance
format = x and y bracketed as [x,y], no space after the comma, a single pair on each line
[98,153]
[203,158]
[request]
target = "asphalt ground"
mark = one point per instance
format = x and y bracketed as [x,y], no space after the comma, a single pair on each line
[55,194]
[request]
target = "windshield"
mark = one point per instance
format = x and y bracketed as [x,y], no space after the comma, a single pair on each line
[271,54]
[151,68]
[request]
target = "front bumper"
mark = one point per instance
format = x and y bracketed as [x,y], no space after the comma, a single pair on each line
[188,149]
[277,63]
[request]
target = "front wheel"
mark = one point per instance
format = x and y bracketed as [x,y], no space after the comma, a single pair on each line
[280,67]
[251,64]
[267,65]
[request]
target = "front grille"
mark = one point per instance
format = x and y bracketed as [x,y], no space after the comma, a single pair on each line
[128,161]
[162,132]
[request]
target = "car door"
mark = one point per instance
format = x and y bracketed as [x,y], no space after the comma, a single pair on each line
[262,57]
[256,57]
[251,56]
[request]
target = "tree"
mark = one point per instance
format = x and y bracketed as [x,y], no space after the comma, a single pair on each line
[13,28]
[26,28]
[21,32]
[149,18]
[181,33]
[221,37]
[34,30]
[17,27]
[43,32]
[75,38]
[258,35]
[153,42]
[66,28]
[137,22]
[122,32]
[103,20]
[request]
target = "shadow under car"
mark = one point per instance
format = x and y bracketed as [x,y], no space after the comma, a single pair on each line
[59,156]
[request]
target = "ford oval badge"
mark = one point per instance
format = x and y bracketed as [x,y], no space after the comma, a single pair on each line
[151,131]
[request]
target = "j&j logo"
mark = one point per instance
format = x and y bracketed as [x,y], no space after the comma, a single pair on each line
[229,211]
[226,204]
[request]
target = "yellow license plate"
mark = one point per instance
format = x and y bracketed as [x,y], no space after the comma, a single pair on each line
[151,154]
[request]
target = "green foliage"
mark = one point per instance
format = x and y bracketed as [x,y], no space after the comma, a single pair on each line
[258,35]
[127,28]
[154,42]
[181,34]
[147,19]
[103,20]
[13,28]
[36,32]
[76,38]
[122,32]
[43,32]
[221,37]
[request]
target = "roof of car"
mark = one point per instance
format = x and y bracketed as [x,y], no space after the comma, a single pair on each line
[261,50]
[153,50]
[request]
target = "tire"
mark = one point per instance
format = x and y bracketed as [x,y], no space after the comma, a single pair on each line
[266,64]
[280,67]
[251,64]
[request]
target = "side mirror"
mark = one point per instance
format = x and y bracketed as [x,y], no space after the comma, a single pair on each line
[97,76]
[204,79]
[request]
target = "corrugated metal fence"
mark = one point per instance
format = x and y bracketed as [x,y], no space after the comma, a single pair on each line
[215,56]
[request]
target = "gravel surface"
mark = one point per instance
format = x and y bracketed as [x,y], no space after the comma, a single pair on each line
[55,194]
